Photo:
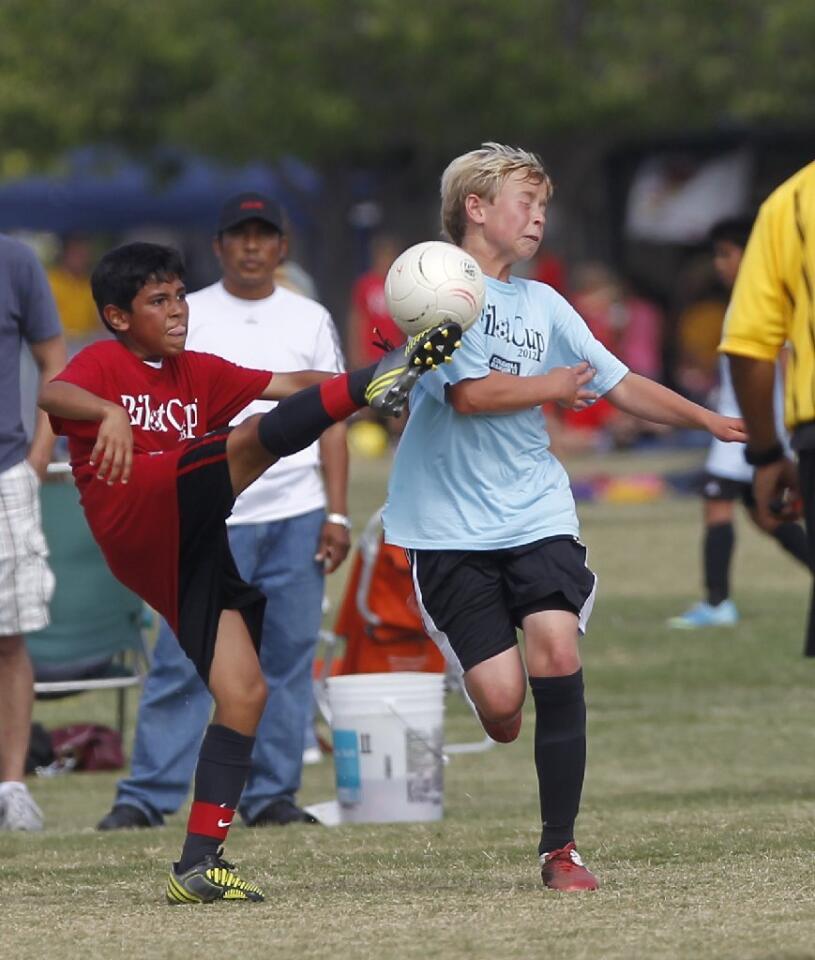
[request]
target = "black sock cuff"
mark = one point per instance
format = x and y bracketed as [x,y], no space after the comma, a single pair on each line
[566,689]
[278,428]
[225,745]
[358,381]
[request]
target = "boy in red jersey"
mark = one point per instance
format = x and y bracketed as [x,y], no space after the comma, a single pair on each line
[158,470]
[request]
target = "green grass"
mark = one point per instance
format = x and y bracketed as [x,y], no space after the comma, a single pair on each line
[698,809]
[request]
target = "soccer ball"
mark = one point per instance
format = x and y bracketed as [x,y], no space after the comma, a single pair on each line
[432,282]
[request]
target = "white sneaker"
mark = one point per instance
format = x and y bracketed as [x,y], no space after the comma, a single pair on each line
[18,811]
[312,755]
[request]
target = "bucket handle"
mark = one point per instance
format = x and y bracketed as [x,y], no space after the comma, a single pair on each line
[438,754]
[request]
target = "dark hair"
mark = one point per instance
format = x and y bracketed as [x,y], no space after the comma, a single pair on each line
[735,230]
[122,272]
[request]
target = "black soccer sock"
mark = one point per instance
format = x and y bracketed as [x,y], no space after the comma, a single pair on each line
[299,420]
[809,637]
[718,552]
[560,754]
[223,765]
[793,539]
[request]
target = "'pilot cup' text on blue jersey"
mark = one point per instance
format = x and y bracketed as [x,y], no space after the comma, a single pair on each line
[488,481]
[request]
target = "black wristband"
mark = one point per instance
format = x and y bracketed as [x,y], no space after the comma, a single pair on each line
[764,458]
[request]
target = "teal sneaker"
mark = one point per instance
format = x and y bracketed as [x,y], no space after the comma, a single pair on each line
[703,615]
[398,371]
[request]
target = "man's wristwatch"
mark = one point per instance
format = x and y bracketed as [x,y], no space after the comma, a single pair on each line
[763,458]
[340,519]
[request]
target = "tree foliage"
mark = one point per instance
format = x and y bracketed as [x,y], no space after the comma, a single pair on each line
[348,79]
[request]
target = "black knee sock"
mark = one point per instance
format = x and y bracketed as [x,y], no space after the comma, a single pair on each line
[793,539]
[299,420]
[223,765]
[560,754]
[718,551]
[809,638]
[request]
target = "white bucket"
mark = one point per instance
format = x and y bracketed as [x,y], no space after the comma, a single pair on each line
[388,733]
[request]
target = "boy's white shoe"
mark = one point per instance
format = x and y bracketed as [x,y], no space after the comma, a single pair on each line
[18,811]
[312,755]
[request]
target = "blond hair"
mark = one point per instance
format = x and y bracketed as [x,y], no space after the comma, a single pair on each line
[483,173]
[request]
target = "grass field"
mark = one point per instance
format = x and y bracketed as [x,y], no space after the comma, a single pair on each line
[698,812]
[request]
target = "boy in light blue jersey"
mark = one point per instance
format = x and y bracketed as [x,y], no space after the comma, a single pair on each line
[484,508]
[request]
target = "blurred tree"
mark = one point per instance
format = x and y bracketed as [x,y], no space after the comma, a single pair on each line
[354,79]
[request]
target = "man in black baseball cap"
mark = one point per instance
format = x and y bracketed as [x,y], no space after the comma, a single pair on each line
[250,206]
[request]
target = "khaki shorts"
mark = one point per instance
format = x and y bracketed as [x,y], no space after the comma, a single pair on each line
[26,580]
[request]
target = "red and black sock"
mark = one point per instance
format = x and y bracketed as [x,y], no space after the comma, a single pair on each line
[560,754]
[223,765]
[299,420]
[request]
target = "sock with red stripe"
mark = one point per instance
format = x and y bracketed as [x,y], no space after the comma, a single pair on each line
[299,420]
[223,765]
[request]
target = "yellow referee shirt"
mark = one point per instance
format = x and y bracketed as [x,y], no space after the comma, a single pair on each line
[773,300]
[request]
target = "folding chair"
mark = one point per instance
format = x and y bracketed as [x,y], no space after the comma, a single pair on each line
[95,640]
[380,622]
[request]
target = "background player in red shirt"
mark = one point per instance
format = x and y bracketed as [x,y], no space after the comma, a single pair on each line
[369,311]
[158,470]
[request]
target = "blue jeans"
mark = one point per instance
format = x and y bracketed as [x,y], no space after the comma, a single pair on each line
[278,558]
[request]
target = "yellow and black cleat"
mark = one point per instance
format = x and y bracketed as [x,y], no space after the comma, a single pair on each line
[210,880]
[397,372]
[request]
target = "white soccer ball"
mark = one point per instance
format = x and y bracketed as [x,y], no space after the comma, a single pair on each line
[432,282]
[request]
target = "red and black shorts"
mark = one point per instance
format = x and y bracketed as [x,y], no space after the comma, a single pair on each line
[473,601]
[165,538]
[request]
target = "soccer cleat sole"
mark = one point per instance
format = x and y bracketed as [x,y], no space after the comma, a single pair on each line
[389,391]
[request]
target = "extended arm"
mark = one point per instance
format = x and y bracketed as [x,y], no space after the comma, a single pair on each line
[283,385]
[648,400]
[50,356]
[505,393]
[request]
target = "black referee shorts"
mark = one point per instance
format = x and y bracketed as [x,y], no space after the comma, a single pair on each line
[475,600]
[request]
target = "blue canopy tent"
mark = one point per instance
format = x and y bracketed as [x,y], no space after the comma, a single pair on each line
[100,191]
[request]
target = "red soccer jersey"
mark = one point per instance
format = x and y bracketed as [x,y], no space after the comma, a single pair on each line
[186,396]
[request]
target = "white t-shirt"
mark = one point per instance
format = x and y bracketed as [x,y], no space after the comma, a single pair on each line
[727,459]
[281,333]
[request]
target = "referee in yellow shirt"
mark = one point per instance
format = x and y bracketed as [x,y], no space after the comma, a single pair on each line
[773,305]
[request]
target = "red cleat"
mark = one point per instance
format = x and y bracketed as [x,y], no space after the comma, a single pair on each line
[563,870]
[502,731]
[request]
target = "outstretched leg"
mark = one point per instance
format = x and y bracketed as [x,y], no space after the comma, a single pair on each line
[296,422]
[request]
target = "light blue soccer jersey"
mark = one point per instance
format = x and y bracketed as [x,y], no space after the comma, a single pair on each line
[488,481]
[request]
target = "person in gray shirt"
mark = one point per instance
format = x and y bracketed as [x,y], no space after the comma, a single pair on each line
[27,314]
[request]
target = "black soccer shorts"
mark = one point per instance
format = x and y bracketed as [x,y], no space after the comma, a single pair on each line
[475,600]
[723,488]
[208,578]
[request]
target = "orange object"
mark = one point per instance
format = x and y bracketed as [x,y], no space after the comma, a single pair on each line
[379,617]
